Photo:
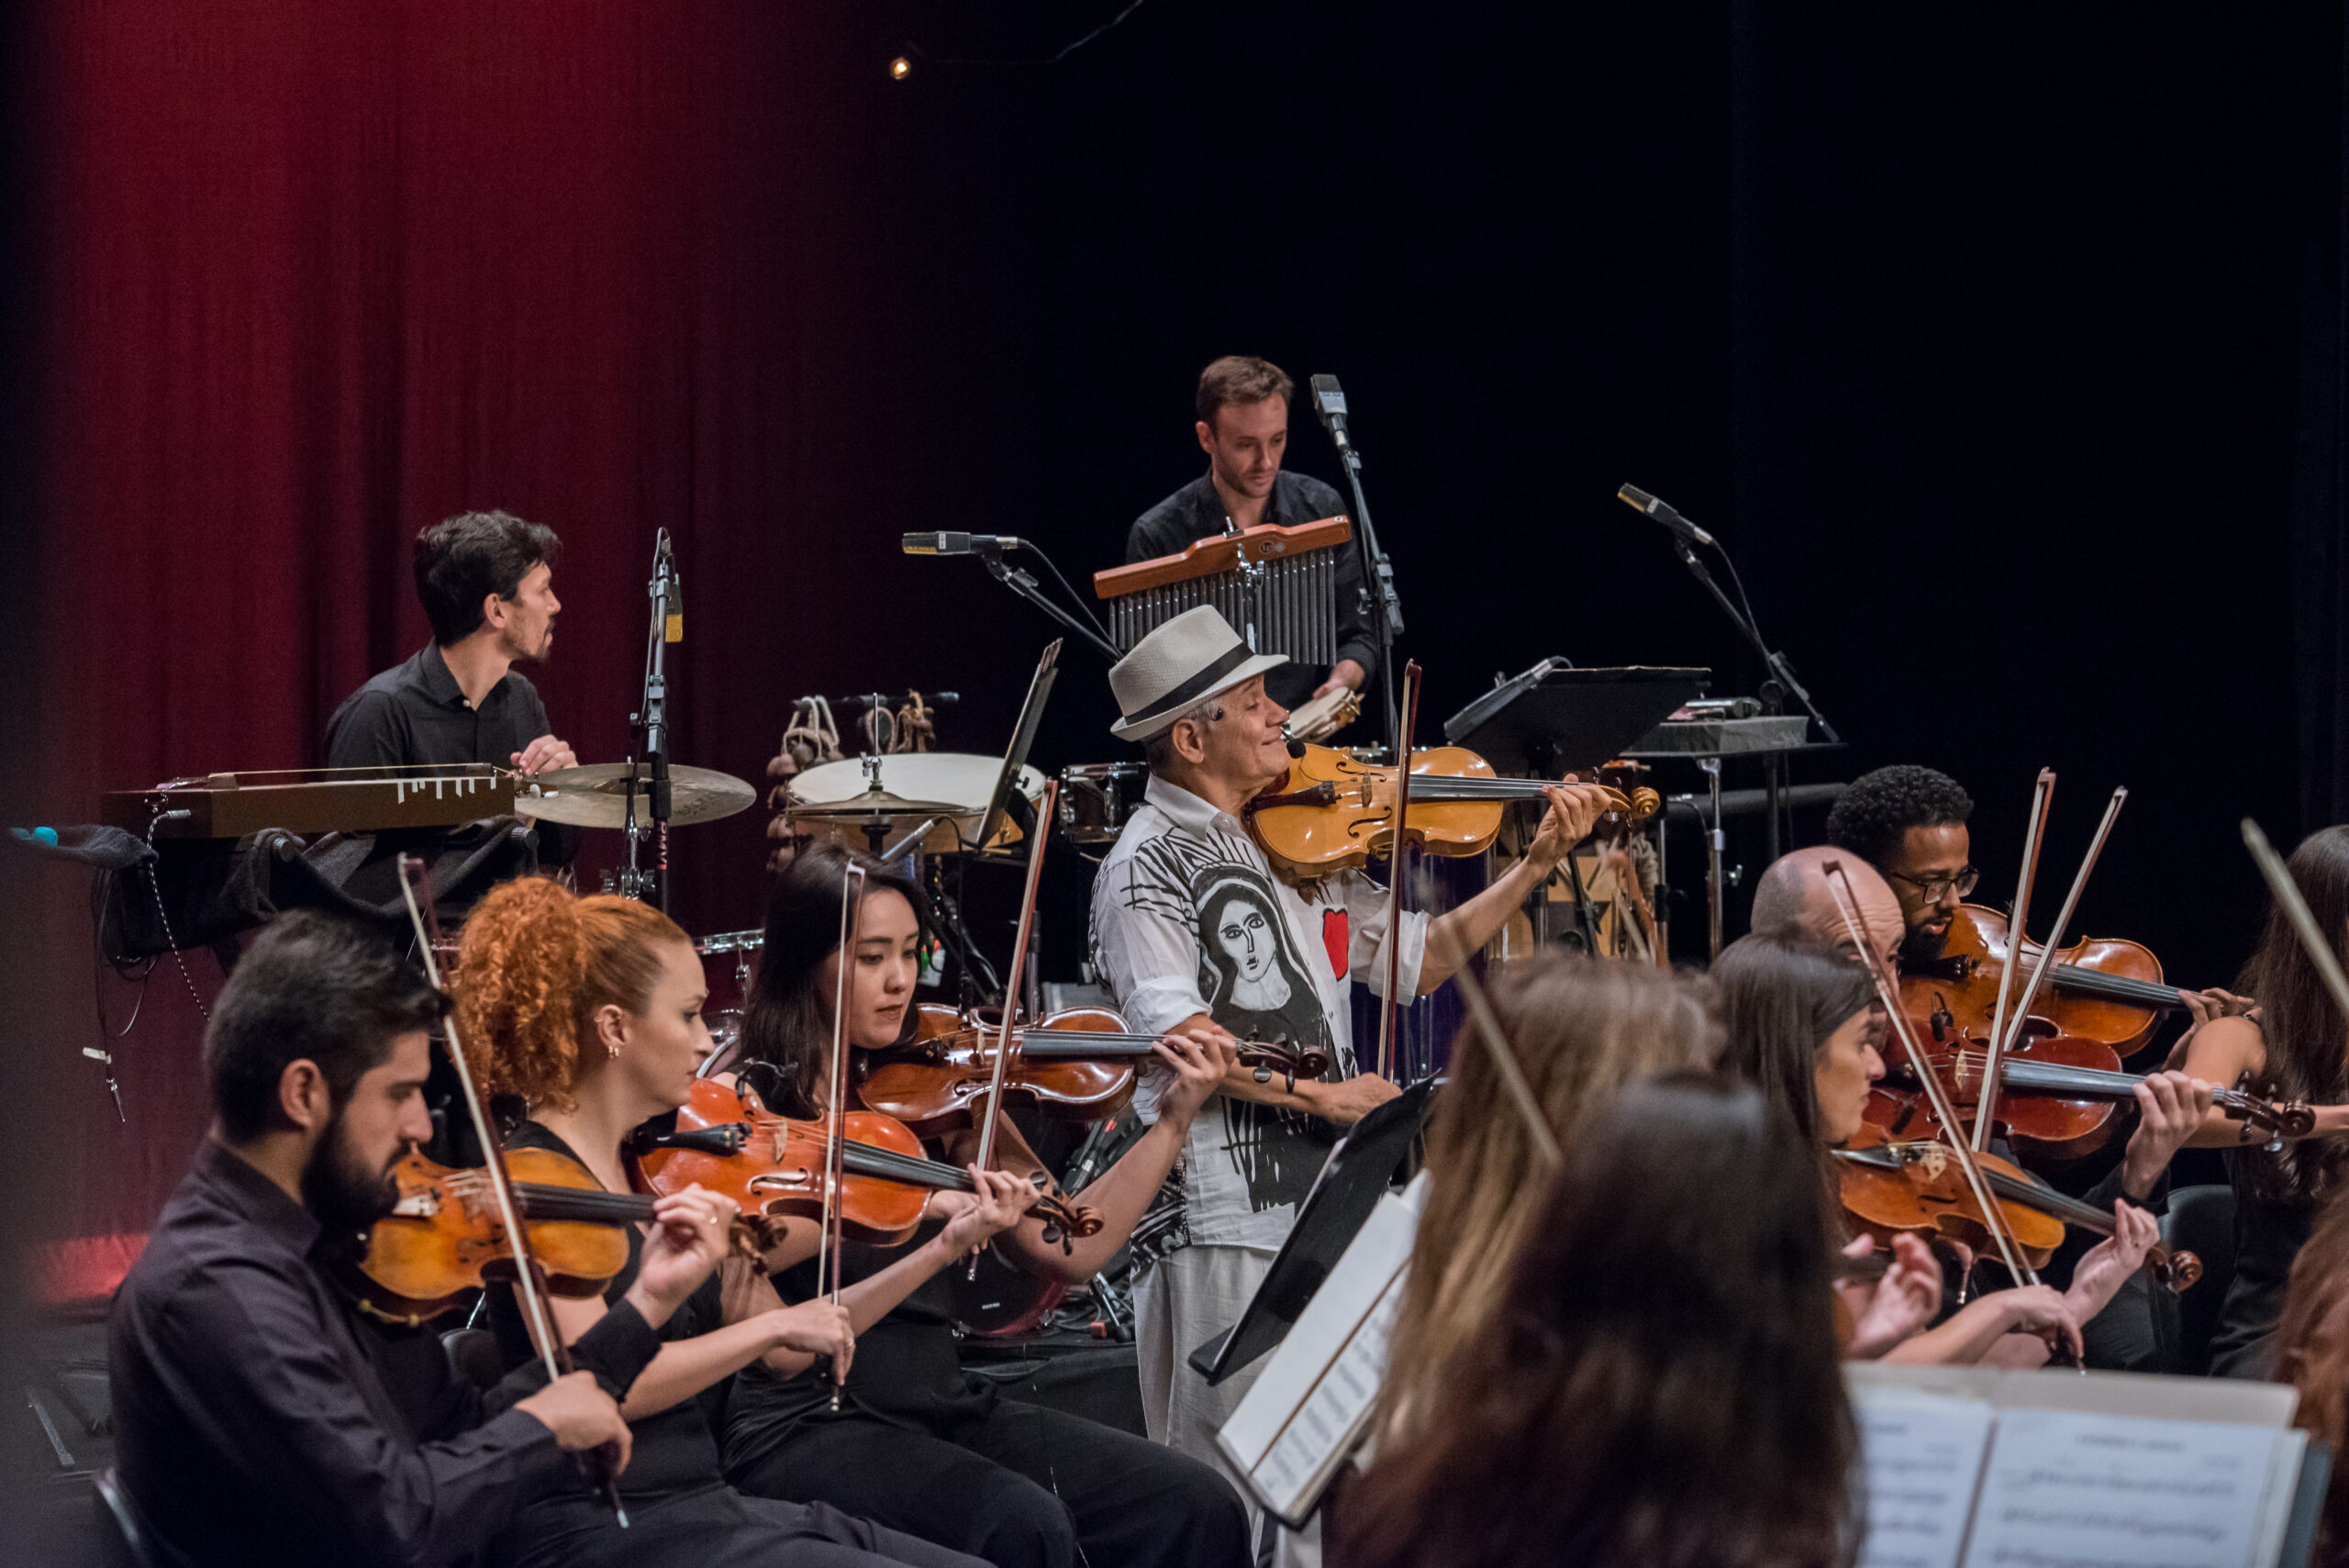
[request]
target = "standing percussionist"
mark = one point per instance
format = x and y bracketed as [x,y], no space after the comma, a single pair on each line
[1243,428]
[488,583]
[1189,928]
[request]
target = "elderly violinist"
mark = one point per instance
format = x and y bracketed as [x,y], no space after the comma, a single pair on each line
[1191,926]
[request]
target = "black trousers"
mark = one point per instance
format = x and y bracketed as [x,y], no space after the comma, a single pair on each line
[1022,1487]
[716,1528]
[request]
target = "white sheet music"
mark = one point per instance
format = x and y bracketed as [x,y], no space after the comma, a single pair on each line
[1920,1456]
[2089,1491]
[1327,1420]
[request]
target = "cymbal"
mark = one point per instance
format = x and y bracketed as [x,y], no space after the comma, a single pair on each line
[596,795]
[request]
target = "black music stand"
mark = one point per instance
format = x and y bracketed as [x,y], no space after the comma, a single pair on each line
[1023,736]
[1332,1214]
[1554,718]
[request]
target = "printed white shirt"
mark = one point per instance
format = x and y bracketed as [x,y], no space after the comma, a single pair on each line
[1187,918]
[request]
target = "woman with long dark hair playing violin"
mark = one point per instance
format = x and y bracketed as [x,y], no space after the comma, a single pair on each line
[916,1442]
[589,1011]
[1804,1028]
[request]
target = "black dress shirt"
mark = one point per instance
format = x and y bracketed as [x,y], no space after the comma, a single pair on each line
[1195,512]
[250,1423]
[416,712]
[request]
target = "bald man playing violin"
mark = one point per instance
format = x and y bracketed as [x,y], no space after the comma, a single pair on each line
[1191,930]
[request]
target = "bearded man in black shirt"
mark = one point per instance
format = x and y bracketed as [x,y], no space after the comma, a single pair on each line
[251,1404]
[1242,406]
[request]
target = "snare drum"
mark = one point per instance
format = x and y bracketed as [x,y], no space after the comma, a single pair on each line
[728,962]
[1097,798]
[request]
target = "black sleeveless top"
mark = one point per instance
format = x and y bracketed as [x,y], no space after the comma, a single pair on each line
[676,1450]
[906,1372]
[2269,1233]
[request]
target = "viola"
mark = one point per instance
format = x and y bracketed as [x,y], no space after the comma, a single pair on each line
[777,1164]
[2105,989]
[2056,1096]
[1077,1064]
[1916,1187]
[443,1240]
[1331,812]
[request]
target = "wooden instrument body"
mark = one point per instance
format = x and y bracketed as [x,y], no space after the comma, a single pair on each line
[444,1241]
[934,1086]
[1936,1201]
[1966,981]
[1333,813]
[779,1167]
[2051,1127]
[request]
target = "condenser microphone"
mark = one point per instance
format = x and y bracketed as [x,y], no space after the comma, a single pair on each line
[1329,403]
[960,544]
[672,596]
[1639,500]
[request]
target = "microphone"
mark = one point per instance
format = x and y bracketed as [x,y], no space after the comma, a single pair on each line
[1329,403]
[1639,500]
[673,595]
[960,544]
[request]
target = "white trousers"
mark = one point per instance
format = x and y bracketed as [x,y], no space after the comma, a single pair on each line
[1180,1302]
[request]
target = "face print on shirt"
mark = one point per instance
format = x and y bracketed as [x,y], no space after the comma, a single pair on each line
[1256,985]
[1251,976]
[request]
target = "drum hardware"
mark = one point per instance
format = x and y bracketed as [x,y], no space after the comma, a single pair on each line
[1096,799]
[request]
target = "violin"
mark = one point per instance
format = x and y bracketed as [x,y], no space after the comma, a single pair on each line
[777,1168]
[1077,1064]
[1916,1187]
[1331,812]
[2105,989]
[443,1240]
[2056,1096]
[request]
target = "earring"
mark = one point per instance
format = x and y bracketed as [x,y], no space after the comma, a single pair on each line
[613,1050]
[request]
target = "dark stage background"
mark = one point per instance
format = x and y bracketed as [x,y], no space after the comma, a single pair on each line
[2001,351]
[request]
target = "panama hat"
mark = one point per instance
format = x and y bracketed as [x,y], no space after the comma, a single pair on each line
[1182,663]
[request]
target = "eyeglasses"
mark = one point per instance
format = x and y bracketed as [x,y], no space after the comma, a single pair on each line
[1933,889]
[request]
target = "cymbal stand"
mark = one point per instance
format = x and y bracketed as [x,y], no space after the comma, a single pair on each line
[651,720]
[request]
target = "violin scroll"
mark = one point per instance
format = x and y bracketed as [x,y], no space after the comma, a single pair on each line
[1292,1061]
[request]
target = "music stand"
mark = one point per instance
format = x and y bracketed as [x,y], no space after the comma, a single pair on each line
[1343,1194]
[1023,735]
[1555,717]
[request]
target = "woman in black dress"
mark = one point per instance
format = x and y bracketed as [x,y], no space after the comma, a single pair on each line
[589,1010]
[919,1444]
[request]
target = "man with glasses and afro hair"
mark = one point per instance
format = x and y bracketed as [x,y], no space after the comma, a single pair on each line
[1909,823]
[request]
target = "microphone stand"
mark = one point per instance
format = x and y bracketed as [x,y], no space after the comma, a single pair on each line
[1782,676]
[651,721]
[1022,584]
[1377,571]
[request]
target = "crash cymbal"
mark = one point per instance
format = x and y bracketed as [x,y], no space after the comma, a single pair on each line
[596,795]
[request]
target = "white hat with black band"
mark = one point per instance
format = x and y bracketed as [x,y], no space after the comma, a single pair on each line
[1181,664]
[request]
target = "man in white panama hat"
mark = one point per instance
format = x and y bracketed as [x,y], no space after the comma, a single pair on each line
[1190,927]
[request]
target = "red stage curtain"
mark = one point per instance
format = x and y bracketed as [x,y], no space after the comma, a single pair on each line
[317,273]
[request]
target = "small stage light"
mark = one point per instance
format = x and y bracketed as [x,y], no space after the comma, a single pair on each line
[900,68]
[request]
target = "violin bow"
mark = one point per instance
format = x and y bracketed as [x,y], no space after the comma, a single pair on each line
[827,1240]
[1046,810]
[1397,846]
[2042,796]
[1537,1131]
[2296,909]
[1987,1107]
[1839,882]
[530,1280]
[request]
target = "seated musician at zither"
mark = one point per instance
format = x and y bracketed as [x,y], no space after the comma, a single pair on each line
[1242,407]
[253,1424]
[487,579]
[1191,928]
